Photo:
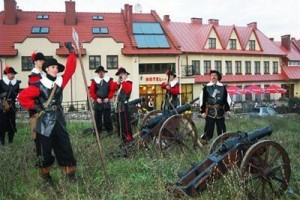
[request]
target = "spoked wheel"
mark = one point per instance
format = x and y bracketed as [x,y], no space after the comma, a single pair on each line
[220,140]
[177,132]
[150,115]
[265,170]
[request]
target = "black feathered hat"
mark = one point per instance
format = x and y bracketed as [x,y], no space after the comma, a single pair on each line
[9,70]
[53,61]
[218,74]
[121,70]
[39,56]
[100,69]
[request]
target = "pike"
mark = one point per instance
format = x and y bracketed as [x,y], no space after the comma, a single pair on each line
[76,40]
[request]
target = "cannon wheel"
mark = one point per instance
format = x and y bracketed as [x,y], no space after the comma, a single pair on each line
[150,115]
[180,130]
[220,139]
[265,170]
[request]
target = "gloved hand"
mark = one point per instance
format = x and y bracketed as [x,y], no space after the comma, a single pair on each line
[38,108]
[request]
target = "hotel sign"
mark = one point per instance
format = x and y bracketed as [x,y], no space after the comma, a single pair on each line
[146,79]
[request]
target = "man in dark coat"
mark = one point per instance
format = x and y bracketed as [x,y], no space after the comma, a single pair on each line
[214,106]
[9,89]
[124,89]
[102,91]
[46,97]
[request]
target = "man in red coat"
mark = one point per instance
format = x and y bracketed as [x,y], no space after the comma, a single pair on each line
[124,88]
[102,91]
[172,91]
[46,97]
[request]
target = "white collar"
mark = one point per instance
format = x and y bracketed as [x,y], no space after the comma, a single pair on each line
[49,84]
[173,83]
[127,79]
[36,71]
[6,80]
[97,79]
[218,84]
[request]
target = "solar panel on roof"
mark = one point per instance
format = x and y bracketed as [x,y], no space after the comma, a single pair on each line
[149,35]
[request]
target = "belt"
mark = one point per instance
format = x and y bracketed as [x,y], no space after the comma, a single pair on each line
[214,106]
[53,107]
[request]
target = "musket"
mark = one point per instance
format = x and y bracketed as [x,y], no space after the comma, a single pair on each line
[76,40]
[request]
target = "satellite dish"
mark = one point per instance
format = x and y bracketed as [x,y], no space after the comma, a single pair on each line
[138,8]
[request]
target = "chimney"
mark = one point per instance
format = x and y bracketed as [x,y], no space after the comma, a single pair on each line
[252,24]
[272,39]
[167,18]
[196,20]
[286,42]
[213,22]
[128,17]
[70,17]
[10,12]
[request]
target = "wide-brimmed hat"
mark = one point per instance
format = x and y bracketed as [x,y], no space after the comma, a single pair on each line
[100,69]
[216,72]
[171,73]
[9,70]
[121,70]
[53,61]
[38,56]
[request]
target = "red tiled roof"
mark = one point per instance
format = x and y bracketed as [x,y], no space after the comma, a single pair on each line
[242,78]
[59,32]
[292,72]
[293,54]
[192,37]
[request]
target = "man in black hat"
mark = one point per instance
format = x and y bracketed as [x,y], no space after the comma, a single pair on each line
[9,89]
[102,91]
[123,88]
[214,106]
[36,74]
[172,91]
[46,97]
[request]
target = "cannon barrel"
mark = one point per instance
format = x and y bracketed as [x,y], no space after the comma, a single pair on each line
[136,101]
[246,138]
[181,109]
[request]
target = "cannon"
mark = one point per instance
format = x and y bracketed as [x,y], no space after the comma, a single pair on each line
[171,127]
[264,165]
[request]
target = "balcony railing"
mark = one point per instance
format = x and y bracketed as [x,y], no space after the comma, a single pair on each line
[189,70]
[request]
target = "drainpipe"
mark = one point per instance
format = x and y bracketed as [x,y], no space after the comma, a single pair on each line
[179,77]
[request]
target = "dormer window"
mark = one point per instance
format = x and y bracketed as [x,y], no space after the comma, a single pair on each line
[232,43]
[212,43]
[42,17]
[100,30]
[97,17]
[252,45]
[40,30]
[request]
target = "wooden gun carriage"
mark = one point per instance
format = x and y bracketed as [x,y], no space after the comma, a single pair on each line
[264,165]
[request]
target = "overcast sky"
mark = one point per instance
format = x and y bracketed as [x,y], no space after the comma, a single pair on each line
[274,17]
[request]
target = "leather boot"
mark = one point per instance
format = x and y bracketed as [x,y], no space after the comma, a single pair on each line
[70,173]
[45,174]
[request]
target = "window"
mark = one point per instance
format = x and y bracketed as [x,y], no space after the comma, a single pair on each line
[232,44]
[228,67]
[196,66]
[149,35]
[27,63]
[266,67]
[39,30]
[97,17]
[238,67]
[94,62]
[218,66]
[275,67]
[212,43]
[100,30]
[155,68]
[248,67]
[257,67]
[42,17]
[252,45]
[207,66]
[112,62]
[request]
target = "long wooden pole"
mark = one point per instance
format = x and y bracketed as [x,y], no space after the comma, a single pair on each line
[76,40]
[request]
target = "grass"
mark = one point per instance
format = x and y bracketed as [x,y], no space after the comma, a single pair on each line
[145,175]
